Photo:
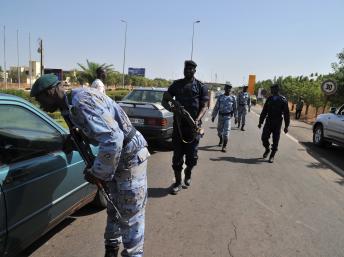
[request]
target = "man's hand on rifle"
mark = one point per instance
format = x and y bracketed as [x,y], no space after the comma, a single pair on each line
[89,177]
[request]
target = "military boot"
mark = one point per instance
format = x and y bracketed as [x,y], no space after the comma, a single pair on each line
[177,186]
[111,251]
[220,143]
[224,147]
[187,178]
[242,127]
[272,156]
[266,153]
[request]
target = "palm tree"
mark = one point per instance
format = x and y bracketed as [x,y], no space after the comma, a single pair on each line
[89,73]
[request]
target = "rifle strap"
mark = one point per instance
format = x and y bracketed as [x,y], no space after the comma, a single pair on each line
[129,137]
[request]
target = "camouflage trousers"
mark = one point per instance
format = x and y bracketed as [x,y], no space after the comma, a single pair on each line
[242,111]
[224,127]
[129,191]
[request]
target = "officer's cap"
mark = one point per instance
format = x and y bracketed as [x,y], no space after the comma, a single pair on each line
[275,85]
[245,86]
[190,63]
[44,82]
[228,86]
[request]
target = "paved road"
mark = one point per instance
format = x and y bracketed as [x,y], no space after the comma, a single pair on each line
[238,205]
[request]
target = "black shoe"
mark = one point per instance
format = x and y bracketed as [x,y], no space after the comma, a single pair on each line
[111,251]
[242,128]
[224,149]
[176,188]
[220,143]
[187,183]
[272,156]
[238,125]
[266,153]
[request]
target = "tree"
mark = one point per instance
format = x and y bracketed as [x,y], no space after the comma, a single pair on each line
[89,73]
[1,73]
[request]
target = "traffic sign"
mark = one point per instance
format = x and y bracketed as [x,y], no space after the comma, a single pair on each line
[329,87]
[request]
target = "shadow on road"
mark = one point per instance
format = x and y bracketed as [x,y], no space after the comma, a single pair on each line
[87,210]
[340,182]
[158,192]
[210,148]
[239,160]
[37,244]
[334,154]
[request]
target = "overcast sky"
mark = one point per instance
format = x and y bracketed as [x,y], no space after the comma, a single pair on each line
[233,39]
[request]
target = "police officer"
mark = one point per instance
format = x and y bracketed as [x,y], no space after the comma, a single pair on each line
[244,104]
[226,106]
[120,164]
[299,107]
[274,110]
[193,95]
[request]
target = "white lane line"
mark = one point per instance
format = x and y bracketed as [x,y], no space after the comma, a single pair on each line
[293,139]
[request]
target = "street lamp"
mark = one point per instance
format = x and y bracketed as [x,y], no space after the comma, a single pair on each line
[125,46]
[193,34]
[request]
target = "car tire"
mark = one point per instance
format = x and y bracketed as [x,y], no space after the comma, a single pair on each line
[318,137]
[99,201]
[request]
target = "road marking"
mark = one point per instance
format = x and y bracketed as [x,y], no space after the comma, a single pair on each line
[293,139]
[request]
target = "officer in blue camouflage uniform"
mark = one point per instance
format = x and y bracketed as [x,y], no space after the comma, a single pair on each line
[121,162]
[274,110]
[244,105]
[226,107]
[193,95]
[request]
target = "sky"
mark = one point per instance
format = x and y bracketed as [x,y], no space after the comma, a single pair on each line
[233,39]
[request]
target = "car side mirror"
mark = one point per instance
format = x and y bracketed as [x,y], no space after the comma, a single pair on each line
[333,110]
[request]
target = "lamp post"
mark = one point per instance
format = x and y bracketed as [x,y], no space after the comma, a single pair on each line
[5,71]
[193,34]
[18,68]
[125,46]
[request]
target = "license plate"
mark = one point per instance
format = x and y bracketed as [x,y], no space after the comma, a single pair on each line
[137,121]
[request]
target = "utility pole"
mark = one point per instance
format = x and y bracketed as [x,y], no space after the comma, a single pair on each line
[18,67]
[5,70]
[30,61]
[125,47]
[193,34]
[40,51]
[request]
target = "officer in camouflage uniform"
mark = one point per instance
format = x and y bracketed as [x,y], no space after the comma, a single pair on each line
[226,107]
[274,110]
[193,96]
[244,105]
[121,162]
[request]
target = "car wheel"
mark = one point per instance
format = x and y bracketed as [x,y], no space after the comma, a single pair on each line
[99,201]
[318,137]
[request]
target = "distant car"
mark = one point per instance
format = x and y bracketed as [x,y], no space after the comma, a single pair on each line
[329,128]
[144,109]
[41,182]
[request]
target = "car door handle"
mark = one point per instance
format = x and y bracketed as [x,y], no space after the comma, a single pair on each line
[19,174]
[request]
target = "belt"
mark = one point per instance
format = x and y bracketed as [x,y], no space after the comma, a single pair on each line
[242,104]
[226,114]
[129,137]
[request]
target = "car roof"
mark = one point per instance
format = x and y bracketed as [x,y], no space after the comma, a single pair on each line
[10,97]
[161,89]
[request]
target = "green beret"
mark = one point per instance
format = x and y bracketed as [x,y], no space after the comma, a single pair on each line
[190,63]
[44,82]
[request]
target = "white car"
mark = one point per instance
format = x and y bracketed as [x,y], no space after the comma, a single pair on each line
[329,128]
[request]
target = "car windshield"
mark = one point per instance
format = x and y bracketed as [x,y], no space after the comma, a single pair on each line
[147,96]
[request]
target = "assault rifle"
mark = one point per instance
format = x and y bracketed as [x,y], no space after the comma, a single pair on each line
[83,147]
[182,114]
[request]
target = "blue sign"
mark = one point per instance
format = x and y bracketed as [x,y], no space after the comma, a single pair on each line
[136,71]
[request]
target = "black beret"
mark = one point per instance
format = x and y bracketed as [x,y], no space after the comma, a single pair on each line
[44,82]
[228,85]
[275,85]
[190,63]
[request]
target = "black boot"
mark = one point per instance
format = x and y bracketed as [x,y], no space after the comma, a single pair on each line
[224,147]
[177,186]
[111,251]
[238,124]
[242,127]
[266,153]
[187,178]
[272,156]
[220,143]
